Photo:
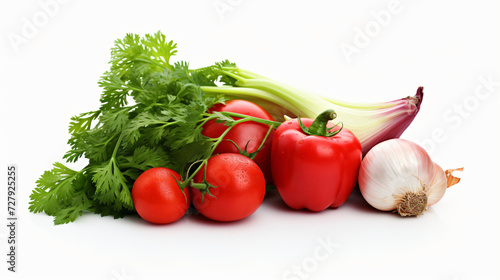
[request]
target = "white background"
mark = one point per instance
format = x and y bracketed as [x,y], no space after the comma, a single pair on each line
[52,56]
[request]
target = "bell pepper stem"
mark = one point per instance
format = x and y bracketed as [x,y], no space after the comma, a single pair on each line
[319,125]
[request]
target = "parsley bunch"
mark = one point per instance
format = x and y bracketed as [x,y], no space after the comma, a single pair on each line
[150,116]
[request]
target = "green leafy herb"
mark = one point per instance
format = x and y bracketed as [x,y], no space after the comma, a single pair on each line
[122,139]
[151,115]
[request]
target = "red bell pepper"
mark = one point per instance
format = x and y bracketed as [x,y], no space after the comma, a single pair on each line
[314,166]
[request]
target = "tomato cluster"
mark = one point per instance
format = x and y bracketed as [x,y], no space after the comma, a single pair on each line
[237,183]
[312,166]
[238,190]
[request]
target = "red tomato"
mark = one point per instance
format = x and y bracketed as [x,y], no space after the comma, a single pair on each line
[157,197]
[240,188]
[251,133]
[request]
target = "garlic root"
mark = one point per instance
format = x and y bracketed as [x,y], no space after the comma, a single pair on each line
[412,204]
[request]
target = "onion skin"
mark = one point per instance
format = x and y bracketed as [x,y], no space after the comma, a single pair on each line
[438,186]
[395,168]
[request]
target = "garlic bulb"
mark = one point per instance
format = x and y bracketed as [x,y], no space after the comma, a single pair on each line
[398,175]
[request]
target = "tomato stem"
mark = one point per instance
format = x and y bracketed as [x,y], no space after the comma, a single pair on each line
[246,118]
[204,186]
[252,155]
[245,150]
